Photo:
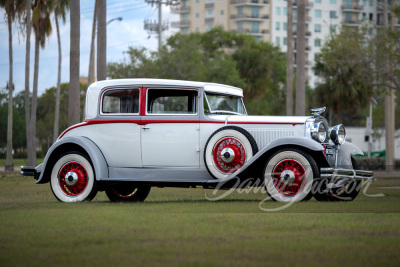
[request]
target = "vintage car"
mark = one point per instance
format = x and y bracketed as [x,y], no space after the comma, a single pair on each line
[141,133]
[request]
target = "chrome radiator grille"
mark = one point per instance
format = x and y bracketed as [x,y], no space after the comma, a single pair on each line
[264,137]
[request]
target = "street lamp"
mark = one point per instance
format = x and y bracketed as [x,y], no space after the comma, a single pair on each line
[91,73]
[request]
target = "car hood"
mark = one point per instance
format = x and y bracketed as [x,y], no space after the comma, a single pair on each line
[232,119]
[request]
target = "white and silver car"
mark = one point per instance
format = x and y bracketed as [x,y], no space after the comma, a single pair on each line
[140,133]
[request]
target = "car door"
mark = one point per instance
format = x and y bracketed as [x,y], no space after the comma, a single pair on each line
[170,128]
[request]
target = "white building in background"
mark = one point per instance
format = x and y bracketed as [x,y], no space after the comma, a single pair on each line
[266,20]
[356,135]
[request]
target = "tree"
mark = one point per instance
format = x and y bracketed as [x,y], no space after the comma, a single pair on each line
[215,56]
[73,101]
[301,58]
[342,63]
[60,6]
[10,8]
[91,73]
[30,141]
[42,28]
[289,60]
[101,39]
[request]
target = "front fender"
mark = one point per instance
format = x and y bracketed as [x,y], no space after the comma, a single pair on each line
[255,165]
[73,143]
[344,155]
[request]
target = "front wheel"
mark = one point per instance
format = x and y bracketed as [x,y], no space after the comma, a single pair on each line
[289,175]
[72,178]
[125,192]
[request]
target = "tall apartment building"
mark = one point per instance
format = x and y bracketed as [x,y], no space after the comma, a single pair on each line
[241,16]
[267,20]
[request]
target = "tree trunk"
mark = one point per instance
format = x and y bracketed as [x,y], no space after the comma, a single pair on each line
[30,150]
[57,111]
[91,73]
[289,60]
[9,158]
[34,98]
[389,106]
[101,40]
[74,86]
[301,58]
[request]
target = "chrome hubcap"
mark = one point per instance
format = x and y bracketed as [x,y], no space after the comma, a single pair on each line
[227,155]
[71,178]
[287,177]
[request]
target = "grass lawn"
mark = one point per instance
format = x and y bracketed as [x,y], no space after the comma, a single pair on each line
[180,227]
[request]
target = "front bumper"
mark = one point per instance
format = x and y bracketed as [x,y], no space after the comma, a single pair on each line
[338,173]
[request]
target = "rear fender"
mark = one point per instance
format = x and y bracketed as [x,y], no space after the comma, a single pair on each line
[74,143]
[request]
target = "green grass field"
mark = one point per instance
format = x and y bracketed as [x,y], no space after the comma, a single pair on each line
[180,227]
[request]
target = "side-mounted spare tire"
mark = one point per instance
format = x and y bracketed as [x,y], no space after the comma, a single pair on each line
[227,150]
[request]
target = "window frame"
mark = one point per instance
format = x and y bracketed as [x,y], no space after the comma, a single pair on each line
[101,113]
[196,99]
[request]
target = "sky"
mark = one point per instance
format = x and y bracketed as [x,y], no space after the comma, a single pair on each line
[120,35]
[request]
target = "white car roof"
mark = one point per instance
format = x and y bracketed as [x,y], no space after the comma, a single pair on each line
[208,87]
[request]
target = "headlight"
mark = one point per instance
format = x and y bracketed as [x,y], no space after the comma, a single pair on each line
[338,134]
[318,133]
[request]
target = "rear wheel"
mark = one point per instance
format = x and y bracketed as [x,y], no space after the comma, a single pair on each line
[289,175]
[125,192]
[72,178]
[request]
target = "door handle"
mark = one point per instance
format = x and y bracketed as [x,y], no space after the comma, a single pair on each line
[144,127]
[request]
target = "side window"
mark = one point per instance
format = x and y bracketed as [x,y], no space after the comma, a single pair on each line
[165,101]
[125,101]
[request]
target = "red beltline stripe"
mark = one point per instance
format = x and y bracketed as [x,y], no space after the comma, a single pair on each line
[144,122]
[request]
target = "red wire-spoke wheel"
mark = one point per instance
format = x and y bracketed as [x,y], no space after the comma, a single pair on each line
[229,155]
[127,192]
[72,178]
[227,150]
[289,175]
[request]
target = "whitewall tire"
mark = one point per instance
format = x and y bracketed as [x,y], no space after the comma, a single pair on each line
[72,178]
[289,175]
[227,150]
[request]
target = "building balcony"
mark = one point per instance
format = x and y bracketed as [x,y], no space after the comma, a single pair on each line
[250,2]
[252,32]
[246,17]
[355,7]
[209,6]
[179,9]
[209,20]
[180,24]
[309,5]
[351,22]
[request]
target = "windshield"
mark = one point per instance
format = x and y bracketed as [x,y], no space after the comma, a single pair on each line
[223,104]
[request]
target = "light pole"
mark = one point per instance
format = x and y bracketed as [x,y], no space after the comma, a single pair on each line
[91,73]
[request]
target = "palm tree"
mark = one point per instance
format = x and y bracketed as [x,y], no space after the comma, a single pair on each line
[91,74]
[101,40]
[11,7]
[289,60]
[74,86]
[42,28]
[30,144]
[60,6]
[301,59]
